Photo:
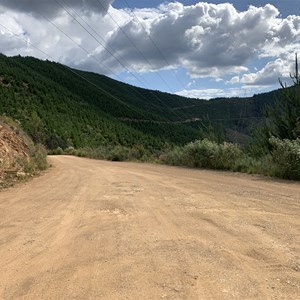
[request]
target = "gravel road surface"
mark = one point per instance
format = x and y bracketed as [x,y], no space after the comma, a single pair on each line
[91,229]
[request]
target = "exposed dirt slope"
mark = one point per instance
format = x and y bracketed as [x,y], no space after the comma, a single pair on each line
[14,149]
[100,230]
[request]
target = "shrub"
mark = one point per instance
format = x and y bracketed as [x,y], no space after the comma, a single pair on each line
[70,151]
[204,154]
[38,158]
[201,153]
[286,158]
[253,165]
[228,155]
[57,151]
[94,153]
[139,153]
[118,153]
[173,157]
[36,162]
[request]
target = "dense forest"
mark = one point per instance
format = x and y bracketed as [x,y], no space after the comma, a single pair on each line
[60,106]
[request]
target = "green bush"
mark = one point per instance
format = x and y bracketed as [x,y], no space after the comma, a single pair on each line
[57,151]
[139,153]
[286,158]
[253,165]
[204,154]
[39,157]
[173,157]
[201,154]
[70,151]
[118,153]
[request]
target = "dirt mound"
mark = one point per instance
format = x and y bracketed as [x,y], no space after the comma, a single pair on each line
[14,150]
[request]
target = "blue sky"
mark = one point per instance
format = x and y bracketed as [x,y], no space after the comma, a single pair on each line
[190,48]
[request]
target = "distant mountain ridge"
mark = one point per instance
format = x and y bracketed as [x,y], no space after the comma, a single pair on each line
[60,106]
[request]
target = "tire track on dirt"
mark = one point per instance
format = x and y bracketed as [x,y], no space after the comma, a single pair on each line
[101,230]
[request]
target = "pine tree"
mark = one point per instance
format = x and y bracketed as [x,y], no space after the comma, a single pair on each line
[283,117]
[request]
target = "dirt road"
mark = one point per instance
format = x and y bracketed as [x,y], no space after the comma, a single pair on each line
[103,230]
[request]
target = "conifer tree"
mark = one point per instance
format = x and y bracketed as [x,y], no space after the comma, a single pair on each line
[283,117]
[282,120]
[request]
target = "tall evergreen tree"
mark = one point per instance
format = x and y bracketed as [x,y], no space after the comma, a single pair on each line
[283,117]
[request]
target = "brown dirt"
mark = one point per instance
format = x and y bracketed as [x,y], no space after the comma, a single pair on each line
[101,230]
[14,148]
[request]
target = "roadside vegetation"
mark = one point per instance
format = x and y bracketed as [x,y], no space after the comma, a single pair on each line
[273,151]
[282,161]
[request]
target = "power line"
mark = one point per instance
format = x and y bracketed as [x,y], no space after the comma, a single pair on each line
[70,69]
[26,41]
[137,49]
[76,73]
[104,91]
[154,44]
[88,53]
[77,44]
[136,91]
[97,40]
[166,61]
[96,59]
[110,52]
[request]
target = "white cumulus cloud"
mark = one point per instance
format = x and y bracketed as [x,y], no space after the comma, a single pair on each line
[206,39]
[272,72]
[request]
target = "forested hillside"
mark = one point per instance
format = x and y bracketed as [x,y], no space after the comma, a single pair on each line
[62,107]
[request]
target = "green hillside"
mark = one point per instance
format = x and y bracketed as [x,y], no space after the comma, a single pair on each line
[62,107]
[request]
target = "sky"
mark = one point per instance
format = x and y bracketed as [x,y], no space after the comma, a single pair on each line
[190,48]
